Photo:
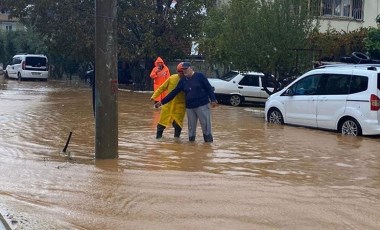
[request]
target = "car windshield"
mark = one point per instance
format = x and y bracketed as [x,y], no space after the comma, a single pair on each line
[228,76]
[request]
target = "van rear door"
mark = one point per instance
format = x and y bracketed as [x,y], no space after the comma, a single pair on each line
[36,63]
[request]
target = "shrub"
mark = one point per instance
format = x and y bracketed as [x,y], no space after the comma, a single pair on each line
[334,44]
[372,42]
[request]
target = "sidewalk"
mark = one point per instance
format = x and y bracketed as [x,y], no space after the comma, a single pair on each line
[4,225]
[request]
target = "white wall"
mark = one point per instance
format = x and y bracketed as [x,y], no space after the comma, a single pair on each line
[371,10]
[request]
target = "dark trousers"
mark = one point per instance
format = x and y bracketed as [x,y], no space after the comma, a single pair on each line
[161,128]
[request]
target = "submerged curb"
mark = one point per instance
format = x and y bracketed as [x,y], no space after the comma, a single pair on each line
[258,113]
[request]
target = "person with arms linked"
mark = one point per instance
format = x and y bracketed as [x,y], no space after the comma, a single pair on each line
[173,112]
[199,94]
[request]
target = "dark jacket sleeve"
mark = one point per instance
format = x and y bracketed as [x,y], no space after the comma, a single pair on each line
[209,89]
[173,93]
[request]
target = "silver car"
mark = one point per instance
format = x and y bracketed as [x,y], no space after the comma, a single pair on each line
[236,87]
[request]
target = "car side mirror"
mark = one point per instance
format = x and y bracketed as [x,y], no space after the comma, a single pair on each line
[289,92]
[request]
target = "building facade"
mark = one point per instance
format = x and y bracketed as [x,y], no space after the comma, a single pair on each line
[8,24]
[346,15]
[341,15]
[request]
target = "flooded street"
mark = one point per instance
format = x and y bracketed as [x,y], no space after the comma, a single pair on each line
[254,176]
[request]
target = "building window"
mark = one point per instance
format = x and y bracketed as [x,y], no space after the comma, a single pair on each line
[342,8]
[357,9]
[8,28]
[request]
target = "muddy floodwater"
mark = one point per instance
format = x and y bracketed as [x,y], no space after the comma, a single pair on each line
[254,176]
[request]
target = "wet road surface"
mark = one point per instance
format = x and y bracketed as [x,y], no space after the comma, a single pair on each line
[254,176]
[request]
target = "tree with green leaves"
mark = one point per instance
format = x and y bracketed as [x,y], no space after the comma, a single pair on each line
[146,29]
[15,42]
[66,27]
[265,36]
[372,43]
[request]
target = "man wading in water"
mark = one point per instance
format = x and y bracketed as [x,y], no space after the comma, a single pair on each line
[198,95]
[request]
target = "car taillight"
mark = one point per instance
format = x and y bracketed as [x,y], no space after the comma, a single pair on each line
[23,65]
[375,102]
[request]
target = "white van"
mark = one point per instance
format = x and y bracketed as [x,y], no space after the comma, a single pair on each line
[338,97]
[28,66]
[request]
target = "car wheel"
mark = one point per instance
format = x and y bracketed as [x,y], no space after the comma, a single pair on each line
[19,77]
[350,127]
[235,100]
[275,116]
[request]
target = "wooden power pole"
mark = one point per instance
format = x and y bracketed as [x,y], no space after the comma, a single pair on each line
[106,85]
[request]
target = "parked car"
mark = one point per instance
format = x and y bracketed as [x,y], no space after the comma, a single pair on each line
[337,97]
[28,66]
[236,87]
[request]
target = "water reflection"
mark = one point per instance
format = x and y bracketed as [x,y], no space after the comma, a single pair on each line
[38,116]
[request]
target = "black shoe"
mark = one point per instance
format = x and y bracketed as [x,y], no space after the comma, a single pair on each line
[177,129]
[160,131]
[208,138]
[159,134]
[192,138]
[177,135]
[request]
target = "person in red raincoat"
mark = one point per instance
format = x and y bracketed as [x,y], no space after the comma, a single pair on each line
[159,74]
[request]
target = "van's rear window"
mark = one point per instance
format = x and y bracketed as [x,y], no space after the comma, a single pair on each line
[35,61]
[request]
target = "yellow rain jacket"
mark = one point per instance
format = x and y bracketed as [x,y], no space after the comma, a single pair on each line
[175,109]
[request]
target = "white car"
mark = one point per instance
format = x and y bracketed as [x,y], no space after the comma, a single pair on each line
[28,66]
[338,97]
[236,87]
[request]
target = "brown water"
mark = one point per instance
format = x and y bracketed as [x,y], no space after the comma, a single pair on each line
[254,176]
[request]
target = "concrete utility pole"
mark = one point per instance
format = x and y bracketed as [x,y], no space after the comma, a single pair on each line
[106,86]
